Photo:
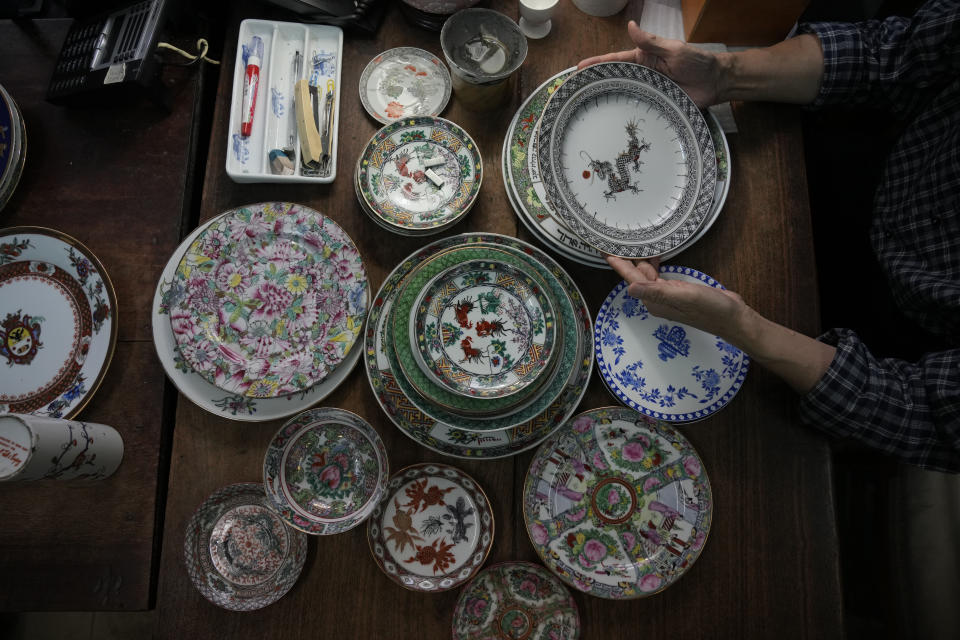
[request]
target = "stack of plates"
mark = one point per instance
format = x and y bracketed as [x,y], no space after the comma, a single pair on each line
[615,159]
[418,176]
[479,345]
[431,14]
[257,312]
[13,146]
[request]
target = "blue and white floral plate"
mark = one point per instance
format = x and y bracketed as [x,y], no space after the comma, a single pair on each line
[666,370]
[210,397]
[58,322]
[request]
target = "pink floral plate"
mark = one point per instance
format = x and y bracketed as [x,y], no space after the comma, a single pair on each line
[325,471]
[240,555]
[58,323]
[268,300]
[433,528]
[617,504]
[515,600]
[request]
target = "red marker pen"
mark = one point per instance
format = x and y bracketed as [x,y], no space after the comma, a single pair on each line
[251,82]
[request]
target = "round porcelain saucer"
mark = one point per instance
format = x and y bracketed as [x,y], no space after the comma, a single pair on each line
[240,555]
[404,82]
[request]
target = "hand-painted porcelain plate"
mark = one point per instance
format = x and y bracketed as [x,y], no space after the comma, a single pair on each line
[205,394]
[440,436]
[527,192]
[433,528]
[13,146]
[480,414]
[404,83]
[325,471]
[58,322]
[240,555]
[483,328]
[269,300]
[666,370]
[515,600]
[419,175]
[617,504]
[627,160]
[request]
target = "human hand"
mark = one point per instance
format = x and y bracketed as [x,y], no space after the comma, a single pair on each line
[698,72]
[717,311]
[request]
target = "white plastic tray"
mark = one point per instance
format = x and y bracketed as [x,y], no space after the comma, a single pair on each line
[274,114]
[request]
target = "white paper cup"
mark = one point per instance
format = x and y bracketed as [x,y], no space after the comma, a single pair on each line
[35,448]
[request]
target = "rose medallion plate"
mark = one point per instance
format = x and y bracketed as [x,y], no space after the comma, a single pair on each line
[518,600]
[325,471]
[419,175]
[666,370]
[205,394]
[269,300]
[627,160]
[483,328]
[443,437]
[433,528]
[404,82]
[58,322]
[240,555]
[617,504]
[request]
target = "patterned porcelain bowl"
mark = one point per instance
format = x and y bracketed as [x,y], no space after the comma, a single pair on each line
[325,471]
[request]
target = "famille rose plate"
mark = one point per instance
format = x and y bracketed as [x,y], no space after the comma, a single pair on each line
[441,436]
[268,300]
[205,394]
[484,328]
[433,528]
[515,600]
[325,471]
[527,192]
[666,370]
[404,82]
[617,504]
[627,160]
[240,555]
[58,322]
[419,175]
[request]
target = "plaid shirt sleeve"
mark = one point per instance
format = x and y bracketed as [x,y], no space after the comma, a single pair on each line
[889,64]
[907,410]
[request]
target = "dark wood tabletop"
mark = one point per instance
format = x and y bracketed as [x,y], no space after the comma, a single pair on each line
[119,180]
[769,567]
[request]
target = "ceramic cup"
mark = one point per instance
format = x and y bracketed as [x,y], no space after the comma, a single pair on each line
[535,17]
[36,447]
[600,8]
[482,48]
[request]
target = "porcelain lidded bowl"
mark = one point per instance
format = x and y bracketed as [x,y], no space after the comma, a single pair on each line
[325,471]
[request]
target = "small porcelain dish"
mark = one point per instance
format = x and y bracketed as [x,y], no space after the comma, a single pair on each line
[325,471]
[13,146]
[239,554]
[433,528]
[515,600]
[617,504]
[419,176]
[404,82]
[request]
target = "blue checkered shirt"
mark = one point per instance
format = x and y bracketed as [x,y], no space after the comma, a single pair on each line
[911,68]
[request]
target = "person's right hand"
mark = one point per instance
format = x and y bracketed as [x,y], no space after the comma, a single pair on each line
[698,72]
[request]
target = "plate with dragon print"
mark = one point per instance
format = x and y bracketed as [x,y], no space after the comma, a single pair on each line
[325,471]
[443,437]
[240,555]
[268,300]
[433,528]
[58,322]
[404,82]
[627,160]
[666,370]
[419,176]
[483,328]
[617,504]
[515,600]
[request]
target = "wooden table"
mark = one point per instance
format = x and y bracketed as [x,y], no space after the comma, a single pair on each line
[770,564]
[119,180]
